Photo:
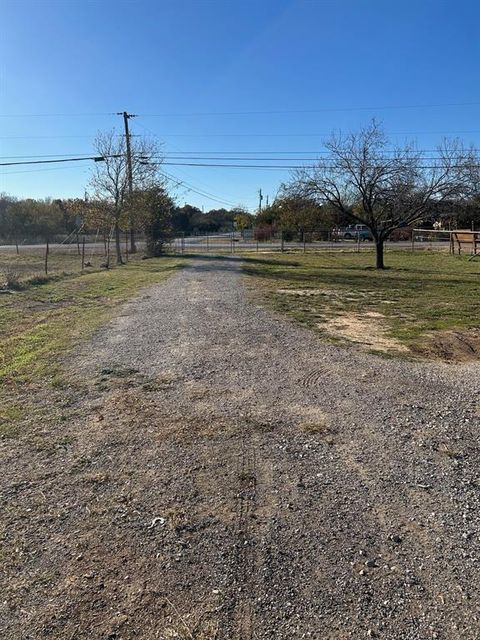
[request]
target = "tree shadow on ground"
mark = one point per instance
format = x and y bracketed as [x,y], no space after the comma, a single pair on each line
[236,260]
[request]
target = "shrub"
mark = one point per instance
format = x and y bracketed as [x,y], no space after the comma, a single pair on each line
[11,279]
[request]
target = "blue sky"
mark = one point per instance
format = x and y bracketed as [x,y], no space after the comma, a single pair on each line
[184,66]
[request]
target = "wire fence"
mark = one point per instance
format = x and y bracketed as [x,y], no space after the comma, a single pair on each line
[453,241]
[407,239]
[77,253]
[74,253]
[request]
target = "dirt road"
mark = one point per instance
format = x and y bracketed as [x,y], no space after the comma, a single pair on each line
[229,476]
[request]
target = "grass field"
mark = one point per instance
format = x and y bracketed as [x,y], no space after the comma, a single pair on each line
[30,262]
[426,304]
[40,324]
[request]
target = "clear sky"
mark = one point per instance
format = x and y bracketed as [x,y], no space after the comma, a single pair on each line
[208,76]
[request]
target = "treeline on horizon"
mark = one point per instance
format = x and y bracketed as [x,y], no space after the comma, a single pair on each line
[32,220]
[38,220]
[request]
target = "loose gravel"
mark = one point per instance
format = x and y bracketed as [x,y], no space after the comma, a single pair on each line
[233,477]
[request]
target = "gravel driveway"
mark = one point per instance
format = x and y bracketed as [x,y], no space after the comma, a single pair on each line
[235,478]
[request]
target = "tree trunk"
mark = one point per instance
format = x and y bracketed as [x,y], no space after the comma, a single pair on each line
[118,247]
[379,250]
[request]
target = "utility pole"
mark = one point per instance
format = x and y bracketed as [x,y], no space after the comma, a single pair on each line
[260,198]
[126,117]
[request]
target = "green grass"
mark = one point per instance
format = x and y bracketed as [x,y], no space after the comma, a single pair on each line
[41,324]
[29,264]
[419,293]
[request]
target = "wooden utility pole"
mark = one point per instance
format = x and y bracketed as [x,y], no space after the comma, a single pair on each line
[126,117]
[260,198]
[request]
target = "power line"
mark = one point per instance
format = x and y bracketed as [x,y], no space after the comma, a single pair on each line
[12,173]
[241,135]
[193,188]
[208,154]
[54,115]
[204,154]
[322,110]
[23,162]
[265,166]
[52,137]
[45,155]
[300,135]
[272,152]
[251,112]
[260,159]
[202,164]
[190,187]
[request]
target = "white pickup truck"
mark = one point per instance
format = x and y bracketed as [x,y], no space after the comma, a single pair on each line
[353,232]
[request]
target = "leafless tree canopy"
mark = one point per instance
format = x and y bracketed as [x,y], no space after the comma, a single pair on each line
[386,187]
[110,176]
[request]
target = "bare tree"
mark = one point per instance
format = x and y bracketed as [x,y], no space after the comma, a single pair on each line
[384,188]
[110,177]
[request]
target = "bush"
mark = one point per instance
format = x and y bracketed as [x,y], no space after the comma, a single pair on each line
[11,279]
[402,233]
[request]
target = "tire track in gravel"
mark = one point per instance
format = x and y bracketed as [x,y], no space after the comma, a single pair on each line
[254,506]
[245,556]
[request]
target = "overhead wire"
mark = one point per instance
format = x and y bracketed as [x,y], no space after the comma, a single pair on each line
[242,135]
[193,188]
[11,173]
[212,164]
[189,187]
[435,105]
[202,155]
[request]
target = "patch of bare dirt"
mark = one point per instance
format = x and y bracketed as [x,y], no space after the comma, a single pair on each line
[450,346]
[367,331]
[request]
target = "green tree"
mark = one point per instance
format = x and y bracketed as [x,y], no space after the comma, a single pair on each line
[242,219]
[155,210]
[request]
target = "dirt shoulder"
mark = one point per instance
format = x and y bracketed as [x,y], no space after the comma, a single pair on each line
[230,476]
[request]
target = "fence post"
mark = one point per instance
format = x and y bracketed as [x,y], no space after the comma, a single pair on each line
[47,249]
[413,240]
[83,253]
[126,246]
